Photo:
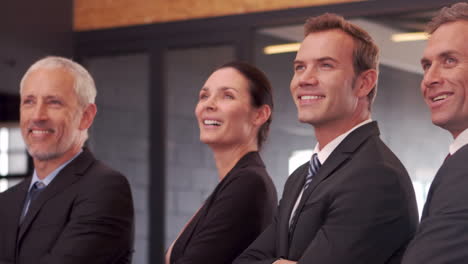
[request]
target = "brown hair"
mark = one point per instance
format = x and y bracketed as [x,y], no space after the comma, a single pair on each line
[365,53]
[260,92]
[458,11]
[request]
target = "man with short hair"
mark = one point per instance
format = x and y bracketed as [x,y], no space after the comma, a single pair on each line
[442,236]
[73,209]
[354,201]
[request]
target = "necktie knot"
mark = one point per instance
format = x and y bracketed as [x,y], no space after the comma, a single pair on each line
[38,185]
[36,189]
[447,157]
[314,165]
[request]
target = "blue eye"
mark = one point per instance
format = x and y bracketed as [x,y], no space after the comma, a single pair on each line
[55,102]
[425,66]
[299,67]
[326,65]
[450,60]
[27,101]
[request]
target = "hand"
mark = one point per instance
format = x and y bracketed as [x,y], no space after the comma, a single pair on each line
[284,261]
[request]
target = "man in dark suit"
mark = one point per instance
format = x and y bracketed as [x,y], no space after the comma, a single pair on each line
[353,202]
[73,209]
[442,236]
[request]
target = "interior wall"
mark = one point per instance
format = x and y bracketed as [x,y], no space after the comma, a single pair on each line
[120,133]
[31,30]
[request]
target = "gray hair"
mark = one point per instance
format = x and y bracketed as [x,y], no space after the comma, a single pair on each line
[83,82]
[456,12]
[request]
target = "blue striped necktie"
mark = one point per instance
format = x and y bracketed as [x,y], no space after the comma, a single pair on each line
[314,165]
[36,189]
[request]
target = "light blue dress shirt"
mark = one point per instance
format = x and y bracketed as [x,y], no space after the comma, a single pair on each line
[48,179]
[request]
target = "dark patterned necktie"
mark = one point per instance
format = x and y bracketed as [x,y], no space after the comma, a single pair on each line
[447,157]
[36,189]
[314,165]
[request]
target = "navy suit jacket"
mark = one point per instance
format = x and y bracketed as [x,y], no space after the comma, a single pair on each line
[442,236]
[359,208]
[85,215]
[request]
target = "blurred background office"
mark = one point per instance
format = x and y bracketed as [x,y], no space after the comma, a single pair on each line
[149,59]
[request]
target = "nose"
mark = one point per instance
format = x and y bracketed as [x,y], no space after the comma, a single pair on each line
[308,77]
[39,112]
[432,76]
[210,103]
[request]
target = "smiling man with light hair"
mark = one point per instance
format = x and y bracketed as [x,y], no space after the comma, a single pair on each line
[73,209]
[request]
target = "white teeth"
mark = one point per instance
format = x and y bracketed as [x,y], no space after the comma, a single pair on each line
[311,97]
[211,122]
[40,131]
[440,97]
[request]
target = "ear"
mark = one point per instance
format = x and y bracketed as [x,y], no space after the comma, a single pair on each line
[261,115]
[365,82]
[88,116]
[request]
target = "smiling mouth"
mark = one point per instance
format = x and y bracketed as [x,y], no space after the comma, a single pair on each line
[311,97]
[212,122]
[440,98]
[40,131]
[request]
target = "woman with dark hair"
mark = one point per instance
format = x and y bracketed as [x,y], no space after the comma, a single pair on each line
[234,115]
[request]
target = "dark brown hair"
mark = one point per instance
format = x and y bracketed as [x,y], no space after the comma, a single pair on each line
[365,53]
[458,11]
[260,92]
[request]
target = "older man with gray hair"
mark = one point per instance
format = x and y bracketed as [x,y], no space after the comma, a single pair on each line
[73,209]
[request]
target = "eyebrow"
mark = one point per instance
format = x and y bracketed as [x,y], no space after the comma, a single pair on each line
[223,88]
[298,62]
[48,97]
[425,61]
[322,59]
[326,59]
[444,54]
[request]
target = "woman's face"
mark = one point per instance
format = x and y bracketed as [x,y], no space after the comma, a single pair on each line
[224,112]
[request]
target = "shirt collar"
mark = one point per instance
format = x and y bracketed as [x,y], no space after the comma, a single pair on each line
[459,142]
[331,146]
[48,179]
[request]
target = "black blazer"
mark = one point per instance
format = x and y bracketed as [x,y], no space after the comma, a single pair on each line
[359,208]
[442,236]
[85,215]
[239,209]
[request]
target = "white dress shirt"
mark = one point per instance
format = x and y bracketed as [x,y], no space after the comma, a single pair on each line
[324,153]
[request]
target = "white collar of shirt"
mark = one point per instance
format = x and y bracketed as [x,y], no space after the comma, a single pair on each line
[459,142]
[48,179]
[331,146]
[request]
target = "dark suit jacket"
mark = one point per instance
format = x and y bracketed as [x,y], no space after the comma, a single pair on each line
[84,216]
[359,208]
[239,209]
[442,236]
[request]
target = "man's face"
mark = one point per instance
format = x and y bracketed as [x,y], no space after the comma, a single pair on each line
[322,86]
[445,83]
[51,118]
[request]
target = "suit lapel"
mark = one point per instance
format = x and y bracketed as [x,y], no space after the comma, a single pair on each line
[18,195]
[249,159]
[66,177]
[338,157]
[290,199]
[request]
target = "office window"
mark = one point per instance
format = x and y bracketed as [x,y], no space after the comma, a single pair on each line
[297,158]
[13,156]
